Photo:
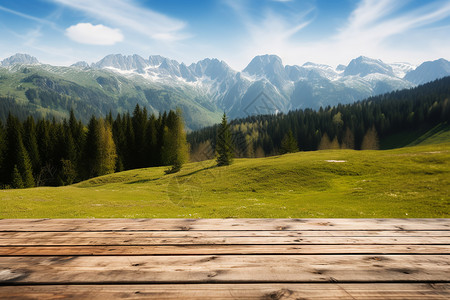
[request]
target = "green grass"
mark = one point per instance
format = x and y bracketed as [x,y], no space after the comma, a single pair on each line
[408,182]
[438,134]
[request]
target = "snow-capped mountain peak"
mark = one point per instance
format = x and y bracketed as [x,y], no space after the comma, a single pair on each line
[290,87]
[363,66]
[19,59]
[284,87]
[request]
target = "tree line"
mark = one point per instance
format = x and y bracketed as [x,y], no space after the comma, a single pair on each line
[51,153]
[361,125]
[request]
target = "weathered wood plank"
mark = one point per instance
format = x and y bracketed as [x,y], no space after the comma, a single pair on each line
[224,233]
[221,224]
[223,249]
[230,291]
[225,269]
[68,241]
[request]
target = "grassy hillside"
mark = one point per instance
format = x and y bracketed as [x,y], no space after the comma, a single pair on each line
[437,135]
[423,136]
[408,182]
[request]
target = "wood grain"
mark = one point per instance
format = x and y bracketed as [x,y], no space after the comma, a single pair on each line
[220,224]
[225,258]
[219,268]
[230,291]
[222,249]
[67,241]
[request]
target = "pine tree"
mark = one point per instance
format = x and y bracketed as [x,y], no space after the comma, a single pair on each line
[31,144]
[100,152]
[224,146]
[289,143]
[139,122]
[325,142]
[107,150]
[17,156]
[175,149]
[77,131]
[334,143]
[2,149]
[17,182]
[118,130]
[370,140]
[91,152]
[130,142]
[151,143]
[348,141]
[24,166]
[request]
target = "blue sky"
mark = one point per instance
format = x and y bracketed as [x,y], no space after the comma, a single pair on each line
[62,32]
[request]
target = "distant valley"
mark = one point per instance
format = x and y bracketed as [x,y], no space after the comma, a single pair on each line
[203,90]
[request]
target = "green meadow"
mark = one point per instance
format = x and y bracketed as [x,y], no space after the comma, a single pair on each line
[410,182]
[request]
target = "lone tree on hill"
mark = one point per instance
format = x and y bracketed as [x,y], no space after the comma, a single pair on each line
[289,143]
[224,146]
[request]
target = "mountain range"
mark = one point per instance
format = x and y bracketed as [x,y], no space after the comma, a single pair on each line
[203,90]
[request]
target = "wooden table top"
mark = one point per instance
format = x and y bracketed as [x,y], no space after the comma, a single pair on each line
[225,258]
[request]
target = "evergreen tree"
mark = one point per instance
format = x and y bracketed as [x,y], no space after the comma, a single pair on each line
[370,140]
[77,131]
[129,161]
[2,149]
[348,141]
[91,152]
[46,175]
[100,152]
[325,142]
[139,123]
[224,146]
[107,150]
[120,141]
[17,182]
[68,172]
[175,149]
[151,143]
[24,166]
[17,156]
[289,143]
[31,144]
[335,143]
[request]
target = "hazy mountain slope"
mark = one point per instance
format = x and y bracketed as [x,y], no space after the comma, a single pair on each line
[50,90]
[429,71]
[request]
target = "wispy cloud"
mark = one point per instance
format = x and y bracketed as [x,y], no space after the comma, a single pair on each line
[131,15]
[375,29]
[270,31]
[28,17]
[372,28]
[374,21]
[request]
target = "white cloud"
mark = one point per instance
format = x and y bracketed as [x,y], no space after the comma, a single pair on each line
[129,14]
[86,33]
